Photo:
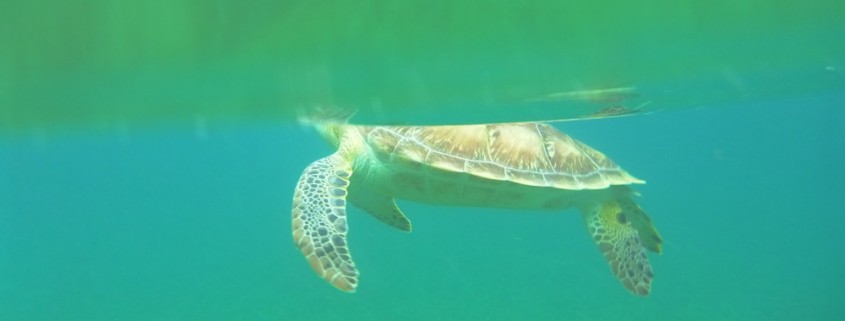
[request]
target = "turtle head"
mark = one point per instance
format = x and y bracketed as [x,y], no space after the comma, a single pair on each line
[330,131]
[329,121]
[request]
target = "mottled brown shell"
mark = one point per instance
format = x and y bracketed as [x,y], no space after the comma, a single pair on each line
[526,153]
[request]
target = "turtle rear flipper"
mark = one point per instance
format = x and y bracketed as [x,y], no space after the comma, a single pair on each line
[619,241]
[645,229]
[319,220]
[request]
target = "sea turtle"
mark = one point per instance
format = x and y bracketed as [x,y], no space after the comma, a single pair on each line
[522,166]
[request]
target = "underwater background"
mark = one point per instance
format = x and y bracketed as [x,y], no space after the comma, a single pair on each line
[149,151]
[194,224]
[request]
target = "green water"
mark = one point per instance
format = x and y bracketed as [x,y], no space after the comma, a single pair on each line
[116,64]
[180,224]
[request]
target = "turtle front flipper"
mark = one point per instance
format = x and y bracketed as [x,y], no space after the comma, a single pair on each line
[319,220]
[380,206]
[618,239]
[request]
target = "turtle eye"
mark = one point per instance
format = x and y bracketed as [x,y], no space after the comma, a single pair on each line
[622,218]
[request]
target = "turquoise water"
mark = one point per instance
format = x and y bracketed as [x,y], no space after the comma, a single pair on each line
[193,223]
